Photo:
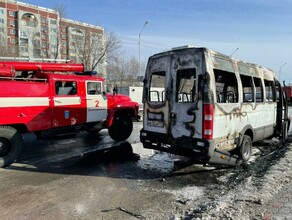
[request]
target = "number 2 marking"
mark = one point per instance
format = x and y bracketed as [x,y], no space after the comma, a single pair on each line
[96,103]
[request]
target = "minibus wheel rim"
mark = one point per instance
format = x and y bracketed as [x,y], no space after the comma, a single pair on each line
[245,149]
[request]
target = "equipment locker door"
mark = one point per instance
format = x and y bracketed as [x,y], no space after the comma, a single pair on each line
[96,102]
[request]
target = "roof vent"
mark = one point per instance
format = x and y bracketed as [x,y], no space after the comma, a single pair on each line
[183,47]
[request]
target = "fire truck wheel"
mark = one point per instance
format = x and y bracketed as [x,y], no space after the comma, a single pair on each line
[121,128]
[245,148]
[11,143]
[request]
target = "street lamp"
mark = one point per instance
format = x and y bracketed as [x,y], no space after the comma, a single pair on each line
[280,71]
[146,22]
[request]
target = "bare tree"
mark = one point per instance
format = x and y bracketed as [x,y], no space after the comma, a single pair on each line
[55,38]
[124,71]
[8,51]
[95,49]
[52,47]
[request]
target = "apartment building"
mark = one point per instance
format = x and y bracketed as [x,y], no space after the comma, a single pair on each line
[31,31]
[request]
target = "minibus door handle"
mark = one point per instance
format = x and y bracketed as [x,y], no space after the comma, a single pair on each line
[173,116]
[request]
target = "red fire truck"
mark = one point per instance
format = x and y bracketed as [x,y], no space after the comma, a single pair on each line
[55,99]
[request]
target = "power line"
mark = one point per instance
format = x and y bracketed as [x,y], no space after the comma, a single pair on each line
[152,47]
[145,45]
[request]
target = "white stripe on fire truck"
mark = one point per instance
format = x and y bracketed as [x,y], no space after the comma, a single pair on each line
[24,101]
[61,101]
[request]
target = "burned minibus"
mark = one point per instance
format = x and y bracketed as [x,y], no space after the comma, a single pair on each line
[210,107]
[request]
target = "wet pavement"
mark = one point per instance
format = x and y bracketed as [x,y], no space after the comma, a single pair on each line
[96,178]
[93,177]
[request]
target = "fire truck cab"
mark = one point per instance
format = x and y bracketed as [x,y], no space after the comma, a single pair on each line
[55,99]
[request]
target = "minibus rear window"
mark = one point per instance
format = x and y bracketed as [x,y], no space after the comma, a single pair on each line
[185,85]
[157,87]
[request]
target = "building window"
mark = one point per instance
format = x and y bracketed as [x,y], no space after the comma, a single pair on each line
[12,13]
[23,49]
[12,23]
[12,40]
[23,34]
[23,42]
[44,28]
[29,19]
[2,20]
[53,21]
[45,36]
[12,31]
[36,42]
[43,19]
[54,30]
[1,11]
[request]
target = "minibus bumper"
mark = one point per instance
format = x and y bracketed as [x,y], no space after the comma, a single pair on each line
[200,150]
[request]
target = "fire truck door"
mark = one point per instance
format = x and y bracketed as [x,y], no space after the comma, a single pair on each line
[67,104]
[96,102]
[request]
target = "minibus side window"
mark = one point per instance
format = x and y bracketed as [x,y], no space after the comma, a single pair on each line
[248,90]
[185,85]
[259,89]
[226,86]
[269,88]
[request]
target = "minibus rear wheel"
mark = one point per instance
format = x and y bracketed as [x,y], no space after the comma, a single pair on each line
[245,148]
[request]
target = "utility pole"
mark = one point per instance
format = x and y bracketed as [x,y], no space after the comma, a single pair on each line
[146,22]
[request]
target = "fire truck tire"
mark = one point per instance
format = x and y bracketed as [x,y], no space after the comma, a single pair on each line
[245,148]
[121,128]
[11,143]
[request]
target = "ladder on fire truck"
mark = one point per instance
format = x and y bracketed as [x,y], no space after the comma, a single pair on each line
[35,59]
[10,66]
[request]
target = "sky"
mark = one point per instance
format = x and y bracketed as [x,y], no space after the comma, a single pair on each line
[256,31]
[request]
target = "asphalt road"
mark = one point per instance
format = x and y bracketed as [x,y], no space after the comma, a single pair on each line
[93,177]
[74,178]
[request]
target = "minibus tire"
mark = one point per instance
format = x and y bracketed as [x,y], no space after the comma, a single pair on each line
[245,148]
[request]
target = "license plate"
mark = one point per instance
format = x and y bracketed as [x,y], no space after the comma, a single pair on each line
[155,123]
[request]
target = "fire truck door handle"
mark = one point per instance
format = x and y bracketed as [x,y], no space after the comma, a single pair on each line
[58,101]
[88,99]
[21,115]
